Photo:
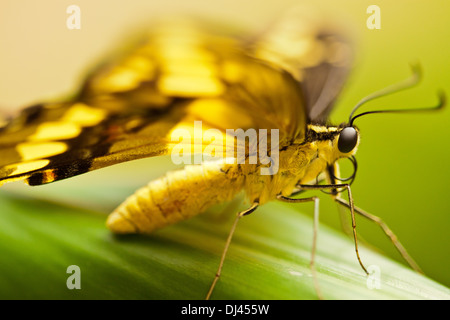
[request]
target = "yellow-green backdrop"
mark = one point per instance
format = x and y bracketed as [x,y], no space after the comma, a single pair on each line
[403,159]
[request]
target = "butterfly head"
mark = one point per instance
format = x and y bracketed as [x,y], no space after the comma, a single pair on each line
[345,145]
[348,139]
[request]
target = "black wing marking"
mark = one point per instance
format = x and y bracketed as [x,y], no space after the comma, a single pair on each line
[127,109]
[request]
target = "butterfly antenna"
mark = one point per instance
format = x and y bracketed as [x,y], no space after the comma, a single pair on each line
[408,83]
[442,101]
[405,84]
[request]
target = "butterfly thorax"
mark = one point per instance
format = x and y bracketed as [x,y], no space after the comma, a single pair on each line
[300,162]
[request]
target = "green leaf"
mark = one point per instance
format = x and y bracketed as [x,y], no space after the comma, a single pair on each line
[268,258]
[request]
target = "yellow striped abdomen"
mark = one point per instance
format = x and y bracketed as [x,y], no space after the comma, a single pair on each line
[176,196]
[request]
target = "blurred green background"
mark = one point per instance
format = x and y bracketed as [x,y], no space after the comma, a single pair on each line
[403,159]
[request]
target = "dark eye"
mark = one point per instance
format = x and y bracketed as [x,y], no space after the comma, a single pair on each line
[348,138]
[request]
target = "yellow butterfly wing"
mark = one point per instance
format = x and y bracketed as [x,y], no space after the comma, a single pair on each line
[314,50]
[128,108]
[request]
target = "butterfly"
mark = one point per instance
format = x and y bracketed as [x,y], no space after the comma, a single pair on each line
[284,81]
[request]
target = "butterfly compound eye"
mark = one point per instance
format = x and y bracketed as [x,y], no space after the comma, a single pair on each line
[348,138]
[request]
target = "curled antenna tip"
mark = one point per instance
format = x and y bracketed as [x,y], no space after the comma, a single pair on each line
[416,68]
[442,99]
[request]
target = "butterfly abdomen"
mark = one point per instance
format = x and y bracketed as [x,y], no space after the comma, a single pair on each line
[176,196]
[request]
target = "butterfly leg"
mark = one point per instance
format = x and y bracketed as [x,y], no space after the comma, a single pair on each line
[386,230]
[351,206]
[315,231]
[227,245]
